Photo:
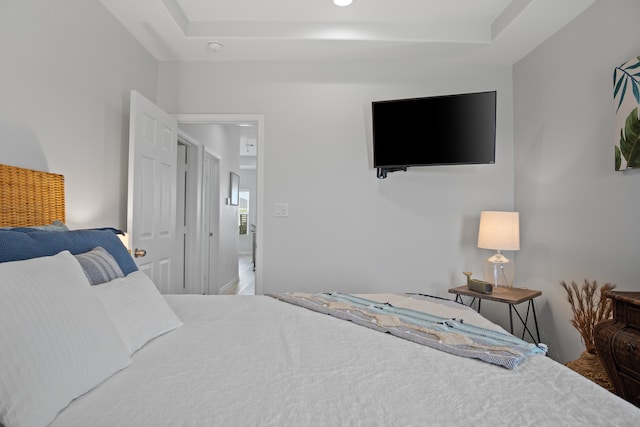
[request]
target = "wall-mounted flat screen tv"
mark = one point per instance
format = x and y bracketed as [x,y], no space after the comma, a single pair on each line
[438,130]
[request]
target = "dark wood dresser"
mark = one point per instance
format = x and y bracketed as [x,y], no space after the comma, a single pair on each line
[618,344]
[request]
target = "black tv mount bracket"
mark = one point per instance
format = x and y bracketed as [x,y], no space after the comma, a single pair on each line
[382,172]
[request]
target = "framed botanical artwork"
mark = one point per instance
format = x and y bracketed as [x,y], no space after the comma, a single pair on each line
[626,94]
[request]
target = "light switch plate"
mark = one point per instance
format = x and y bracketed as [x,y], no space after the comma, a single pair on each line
[281,209]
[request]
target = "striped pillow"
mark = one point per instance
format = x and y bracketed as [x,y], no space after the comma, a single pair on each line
[99,266]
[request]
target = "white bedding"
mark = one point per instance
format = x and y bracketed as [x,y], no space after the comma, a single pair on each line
[256,361]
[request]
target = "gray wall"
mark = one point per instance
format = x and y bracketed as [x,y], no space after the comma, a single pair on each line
[65,74]
[347,230]
[579,218]
[68,66]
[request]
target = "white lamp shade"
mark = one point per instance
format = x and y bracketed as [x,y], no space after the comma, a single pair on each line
[499,231]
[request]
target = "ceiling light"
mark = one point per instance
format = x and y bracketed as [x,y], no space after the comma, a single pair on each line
[342,2]
[214,46]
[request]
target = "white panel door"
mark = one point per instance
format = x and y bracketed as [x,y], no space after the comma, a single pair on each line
[151,218]
[210,220]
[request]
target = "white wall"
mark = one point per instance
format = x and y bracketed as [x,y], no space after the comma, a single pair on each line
[347,230]
[66,71]
[578,216]
[223,140]
[68,66]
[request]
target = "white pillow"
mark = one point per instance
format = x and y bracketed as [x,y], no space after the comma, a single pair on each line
[56,340]
[137,309]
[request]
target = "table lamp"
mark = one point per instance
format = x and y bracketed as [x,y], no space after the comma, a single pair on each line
[499,231]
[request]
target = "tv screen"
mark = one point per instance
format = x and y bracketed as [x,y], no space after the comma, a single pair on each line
[439,130]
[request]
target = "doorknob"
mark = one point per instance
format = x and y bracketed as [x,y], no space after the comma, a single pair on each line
[139,252]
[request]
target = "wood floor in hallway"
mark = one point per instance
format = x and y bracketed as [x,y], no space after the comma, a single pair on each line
[247,277]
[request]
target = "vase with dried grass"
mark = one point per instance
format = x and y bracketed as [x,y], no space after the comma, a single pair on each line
[590,305]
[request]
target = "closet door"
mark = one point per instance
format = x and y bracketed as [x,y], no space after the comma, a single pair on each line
[210,219]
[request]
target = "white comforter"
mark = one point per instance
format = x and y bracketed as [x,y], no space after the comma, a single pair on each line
[256,361]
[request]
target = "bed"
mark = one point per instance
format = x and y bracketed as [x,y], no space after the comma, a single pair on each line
[117,353]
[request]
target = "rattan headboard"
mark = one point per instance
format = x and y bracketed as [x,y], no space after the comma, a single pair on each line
[29,197]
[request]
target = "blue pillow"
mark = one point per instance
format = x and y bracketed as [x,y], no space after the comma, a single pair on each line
[54,226]
[18,245]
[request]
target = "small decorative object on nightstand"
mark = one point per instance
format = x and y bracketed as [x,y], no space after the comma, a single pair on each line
[478,285]
[618,344]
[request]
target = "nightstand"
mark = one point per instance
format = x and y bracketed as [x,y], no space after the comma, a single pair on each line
[509,296]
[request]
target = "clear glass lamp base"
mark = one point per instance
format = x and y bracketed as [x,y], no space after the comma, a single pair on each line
[498,270]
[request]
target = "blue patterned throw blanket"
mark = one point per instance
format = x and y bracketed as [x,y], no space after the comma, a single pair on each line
[449,335]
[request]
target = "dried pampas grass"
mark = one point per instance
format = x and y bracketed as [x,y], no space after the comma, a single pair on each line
[590,305]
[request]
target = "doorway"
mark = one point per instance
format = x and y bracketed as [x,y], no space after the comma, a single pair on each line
[253,164]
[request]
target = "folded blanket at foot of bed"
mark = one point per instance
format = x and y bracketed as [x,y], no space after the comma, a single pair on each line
[447,334]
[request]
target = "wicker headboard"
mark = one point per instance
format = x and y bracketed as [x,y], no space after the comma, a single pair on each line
[29,197]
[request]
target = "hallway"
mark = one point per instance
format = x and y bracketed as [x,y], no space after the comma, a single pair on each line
[247,277]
